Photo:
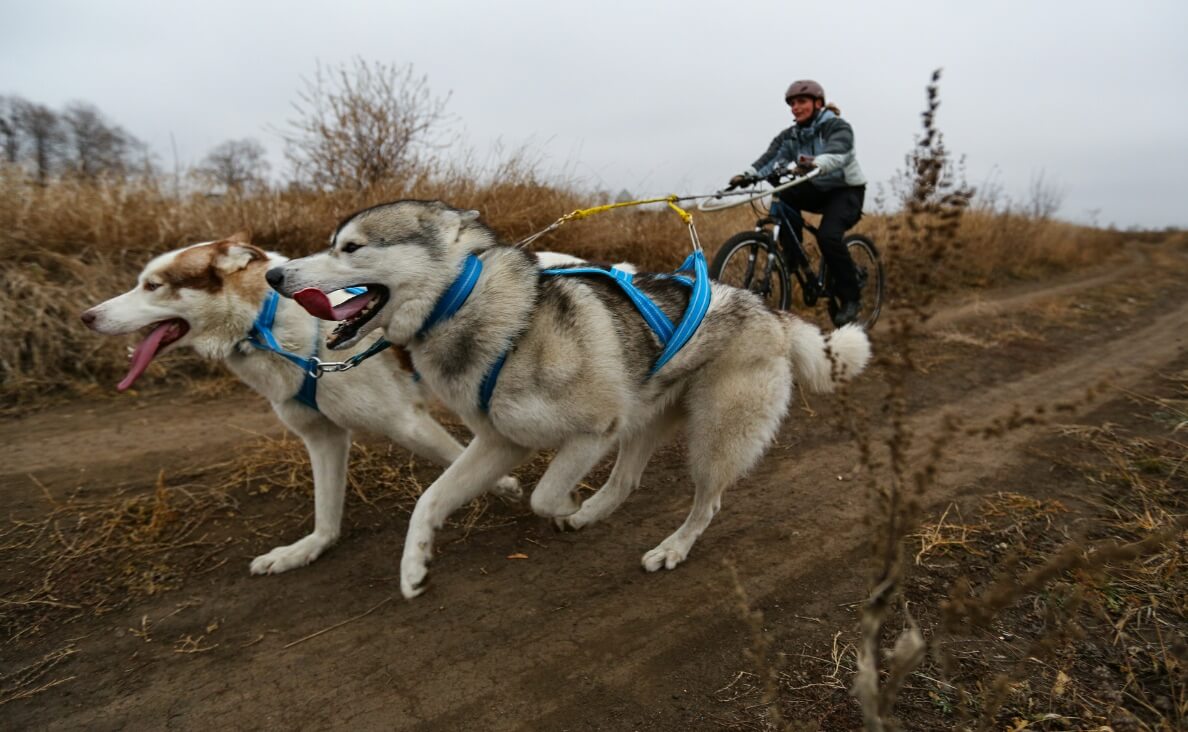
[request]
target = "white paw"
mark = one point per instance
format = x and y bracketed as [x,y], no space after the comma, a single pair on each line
[297,554]
[666,556]
[550,505]
[414,573]
[509,488]
[575,522]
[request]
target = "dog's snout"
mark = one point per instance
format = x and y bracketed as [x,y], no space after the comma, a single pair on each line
[276,278]
[88,317]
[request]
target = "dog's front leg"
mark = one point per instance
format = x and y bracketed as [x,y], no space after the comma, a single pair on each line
[329,446]
[416,430]
[481,464]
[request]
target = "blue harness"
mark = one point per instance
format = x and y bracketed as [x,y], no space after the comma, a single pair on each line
[672,337]
[262,338]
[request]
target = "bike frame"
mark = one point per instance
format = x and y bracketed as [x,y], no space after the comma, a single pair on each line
[812,284]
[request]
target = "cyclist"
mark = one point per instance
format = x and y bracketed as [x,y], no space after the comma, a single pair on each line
[820,139]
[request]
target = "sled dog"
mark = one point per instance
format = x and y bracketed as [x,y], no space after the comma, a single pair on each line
[575,359]
[207,297]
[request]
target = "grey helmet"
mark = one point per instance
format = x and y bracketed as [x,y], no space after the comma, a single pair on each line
[804,88]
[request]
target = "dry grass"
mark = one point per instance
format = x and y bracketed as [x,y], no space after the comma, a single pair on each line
[100,548]
[995,248]
[70,244]
[28,681]
[93,551]
[1037,615]
[1084,624]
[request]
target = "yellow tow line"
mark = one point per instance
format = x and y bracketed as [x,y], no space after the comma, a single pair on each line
[583,213]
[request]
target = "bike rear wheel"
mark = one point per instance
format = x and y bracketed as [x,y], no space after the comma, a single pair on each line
[751,261]
[870,279]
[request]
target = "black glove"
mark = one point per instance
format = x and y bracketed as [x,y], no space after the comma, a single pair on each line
[741,180]
[773,179]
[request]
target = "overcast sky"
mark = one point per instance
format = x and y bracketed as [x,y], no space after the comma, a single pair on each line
[658,97]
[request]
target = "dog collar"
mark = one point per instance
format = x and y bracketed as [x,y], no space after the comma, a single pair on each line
[455,297]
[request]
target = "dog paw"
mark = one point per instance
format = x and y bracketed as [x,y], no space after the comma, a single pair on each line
[414,578]
[509,488]
[554,506]
[284,558]
[665,556]
[575,522]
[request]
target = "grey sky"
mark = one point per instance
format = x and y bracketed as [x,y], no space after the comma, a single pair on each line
[658,97]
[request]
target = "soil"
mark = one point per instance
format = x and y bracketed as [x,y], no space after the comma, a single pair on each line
[526,628]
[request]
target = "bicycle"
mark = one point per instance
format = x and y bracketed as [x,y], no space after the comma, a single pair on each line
[755,260]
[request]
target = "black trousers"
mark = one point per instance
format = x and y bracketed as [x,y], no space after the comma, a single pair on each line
[840,209]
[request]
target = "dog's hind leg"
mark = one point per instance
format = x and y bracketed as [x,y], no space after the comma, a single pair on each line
[481,463]
[417,431]
[328,445]
[634,454]
[731,422]
[554,496]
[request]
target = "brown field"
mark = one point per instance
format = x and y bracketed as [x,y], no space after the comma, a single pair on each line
[1022,451]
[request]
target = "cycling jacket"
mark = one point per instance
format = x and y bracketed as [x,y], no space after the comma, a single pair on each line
[827,142]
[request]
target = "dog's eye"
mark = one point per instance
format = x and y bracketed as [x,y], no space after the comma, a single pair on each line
[150,286]
[348,248]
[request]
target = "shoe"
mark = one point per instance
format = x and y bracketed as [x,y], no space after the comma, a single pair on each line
[847,312]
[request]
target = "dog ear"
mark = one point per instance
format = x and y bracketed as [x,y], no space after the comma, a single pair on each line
[233,256]
[240,237]
[464,219]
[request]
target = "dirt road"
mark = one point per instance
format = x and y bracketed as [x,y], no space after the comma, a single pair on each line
[575,635]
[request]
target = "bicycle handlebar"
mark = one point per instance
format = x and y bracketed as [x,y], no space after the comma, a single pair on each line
[709,203]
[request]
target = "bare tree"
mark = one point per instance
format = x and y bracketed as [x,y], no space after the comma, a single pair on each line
[9,129]
[42,128]
[96,147]
[362,123]
[1044,197]
[235,164]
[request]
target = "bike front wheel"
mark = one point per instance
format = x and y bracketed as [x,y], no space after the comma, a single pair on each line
[751,261]
[869,269]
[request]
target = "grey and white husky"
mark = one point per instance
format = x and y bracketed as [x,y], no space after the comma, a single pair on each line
[207,297]
[576,368]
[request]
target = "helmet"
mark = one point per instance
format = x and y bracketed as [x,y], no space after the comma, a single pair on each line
[804,88]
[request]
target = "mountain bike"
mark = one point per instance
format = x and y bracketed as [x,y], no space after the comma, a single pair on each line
[755,260]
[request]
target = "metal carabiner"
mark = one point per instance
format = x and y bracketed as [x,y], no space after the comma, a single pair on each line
[318,367]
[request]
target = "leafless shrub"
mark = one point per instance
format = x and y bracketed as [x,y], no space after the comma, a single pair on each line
[1044,198]
[235,166]
[363,124]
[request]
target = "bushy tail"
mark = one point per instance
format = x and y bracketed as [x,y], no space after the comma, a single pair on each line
[822,362]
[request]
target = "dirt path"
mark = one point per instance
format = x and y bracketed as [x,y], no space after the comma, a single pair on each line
[575,636]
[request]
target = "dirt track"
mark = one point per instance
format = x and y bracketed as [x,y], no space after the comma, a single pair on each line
[575,636]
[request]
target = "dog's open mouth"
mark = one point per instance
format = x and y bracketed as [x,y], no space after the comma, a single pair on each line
[351,314]
[157,336]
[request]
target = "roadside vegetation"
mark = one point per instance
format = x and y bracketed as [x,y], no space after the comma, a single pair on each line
[81,213]
[1076,614]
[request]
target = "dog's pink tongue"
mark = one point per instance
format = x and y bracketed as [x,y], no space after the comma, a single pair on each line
[317,304]
[143,355]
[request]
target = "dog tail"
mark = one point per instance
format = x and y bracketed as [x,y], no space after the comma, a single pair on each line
[822,362]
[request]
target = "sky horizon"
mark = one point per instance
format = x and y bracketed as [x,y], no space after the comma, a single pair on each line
[661,97]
